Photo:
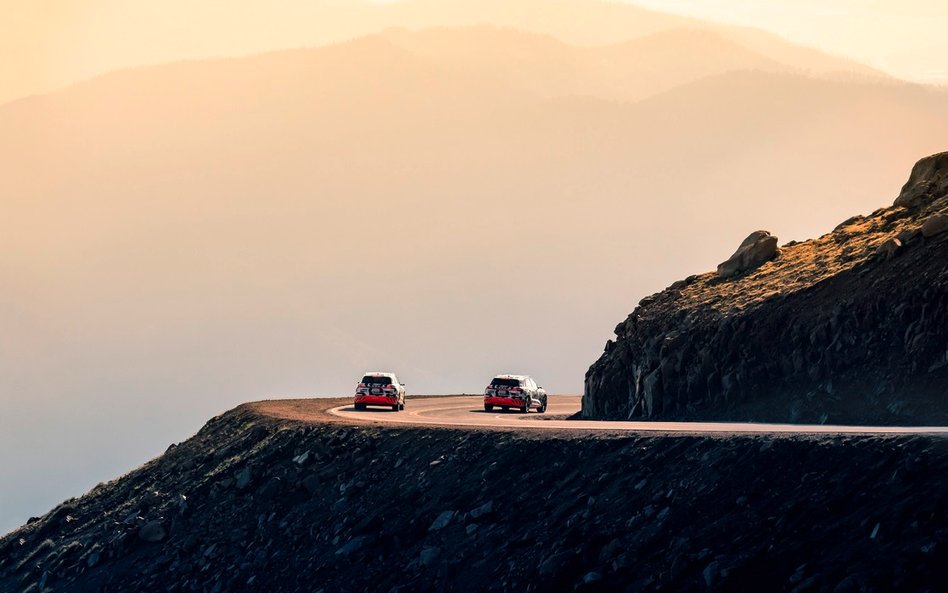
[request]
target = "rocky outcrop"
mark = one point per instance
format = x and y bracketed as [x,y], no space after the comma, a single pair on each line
[758,248]
[851,327]
[345,509]
[928,180]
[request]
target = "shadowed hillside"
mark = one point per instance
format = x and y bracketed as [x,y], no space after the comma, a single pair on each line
[257,503]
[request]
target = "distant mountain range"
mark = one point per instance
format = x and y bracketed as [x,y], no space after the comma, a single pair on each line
[625,71]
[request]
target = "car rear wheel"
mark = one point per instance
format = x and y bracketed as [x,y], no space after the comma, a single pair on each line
[488,408]
[525,407]
[396,407]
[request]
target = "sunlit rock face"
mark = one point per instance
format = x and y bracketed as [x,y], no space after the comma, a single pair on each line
[929,180]
[851,327]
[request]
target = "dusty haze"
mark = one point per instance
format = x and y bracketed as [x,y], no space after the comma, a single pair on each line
[446,202]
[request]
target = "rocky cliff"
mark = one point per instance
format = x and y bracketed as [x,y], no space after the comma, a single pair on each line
[256,502]
[851,327]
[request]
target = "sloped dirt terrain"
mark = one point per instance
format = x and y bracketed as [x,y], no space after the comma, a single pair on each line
[258,502]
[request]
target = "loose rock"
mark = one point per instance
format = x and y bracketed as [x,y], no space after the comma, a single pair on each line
[429,556]
[243,478]
[935,225]
[352,546]
[485,509]
[889,248]
[759,247]
[152,532]
[443,520]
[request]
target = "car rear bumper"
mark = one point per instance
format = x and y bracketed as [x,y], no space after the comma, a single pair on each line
[511,402]
[376,400]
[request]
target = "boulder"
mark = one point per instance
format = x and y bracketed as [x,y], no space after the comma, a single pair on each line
[312,484]
[553,564]
[909,235]
[443,520]
[711,574]
[889,248]
[935,225]
[429,556]
[152,532]
[271,489]
[243,478]
[483,510]
[591,578]
[93,558]
[352,546]
[758,248]
[929,179]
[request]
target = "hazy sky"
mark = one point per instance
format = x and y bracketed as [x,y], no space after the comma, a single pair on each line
[904,37]
[48,43]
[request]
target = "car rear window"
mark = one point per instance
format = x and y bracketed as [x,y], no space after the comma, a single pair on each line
[505,383]
[370,380]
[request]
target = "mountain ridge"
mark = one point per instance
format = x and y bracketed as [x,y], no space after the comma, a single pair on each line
[805,336]
[666,40]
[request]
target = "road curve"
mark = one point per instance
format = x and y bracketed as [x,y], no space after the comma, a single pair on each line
[468,411]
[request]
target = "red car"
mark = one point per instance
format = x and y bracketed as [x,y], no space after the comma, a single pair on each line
[380,389]
[514,391]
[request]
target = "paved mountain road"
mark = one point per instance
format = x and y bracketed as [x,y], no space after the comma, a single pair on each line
[468,411]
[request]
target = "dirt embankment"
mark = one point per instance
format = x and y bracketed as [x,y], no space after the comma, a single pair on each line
[257,503]
[849,328]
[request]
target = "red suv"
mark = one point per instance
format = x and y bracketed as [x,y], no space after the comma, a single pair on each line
[514,391]
[380,389]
